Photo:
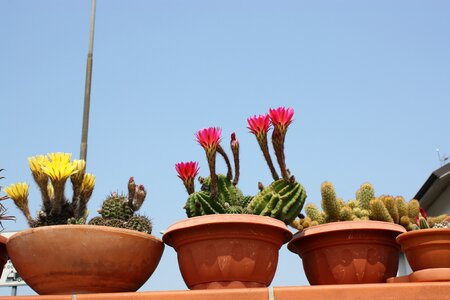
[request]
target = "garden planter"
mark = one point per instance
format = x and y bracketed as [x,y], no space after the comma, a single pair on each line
[3,255]
[72,259]
[348,252]
[227,251]
[428,254]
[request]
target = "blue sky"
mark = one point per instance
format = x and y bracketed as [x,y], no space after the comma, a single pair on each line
[369,82]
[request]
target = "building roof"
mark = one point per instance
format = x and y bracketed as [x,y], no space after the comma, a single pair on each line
[437,183]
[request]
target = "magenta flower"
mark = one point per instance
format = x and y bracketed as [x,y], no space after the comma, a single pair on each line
[187,171]
[209,138]
[281,118]
[259,125]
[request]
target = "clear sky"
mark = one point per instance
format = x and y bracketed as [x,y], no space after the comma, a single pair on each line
[369,82]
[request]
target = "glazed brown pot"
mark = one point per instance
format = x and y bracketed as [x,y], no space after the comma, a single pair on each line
[73,259]
[348,252]
[227,251]
[3,255]
[426,248]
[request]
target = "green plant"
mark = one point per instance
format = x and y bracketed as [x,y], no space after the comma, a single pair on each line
[366,206]
[120,211]
[423,221]
[51,173]
[282,199]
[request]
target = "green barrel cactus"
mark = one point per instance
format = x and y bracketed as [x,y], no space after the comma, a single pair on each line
[116,207]
[282,200]
[139,223]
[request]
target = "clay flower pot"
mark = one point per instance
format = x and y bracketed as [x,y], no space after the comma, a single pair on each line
[227,251]
[348,252]
[3,255]
[73,259]
[428,254]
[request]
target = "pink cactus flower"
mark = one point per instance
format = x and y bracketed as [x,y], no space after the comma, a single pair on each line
[209,138]
[281,118]
[423,213]
[259,125]
[187,171]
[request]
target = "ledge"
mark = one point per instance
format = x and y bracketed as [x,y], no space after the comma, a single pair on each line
[431,290]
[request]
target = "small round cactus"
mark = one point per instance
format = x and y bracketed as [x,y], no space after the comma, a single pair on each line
[116,207]
[139,223]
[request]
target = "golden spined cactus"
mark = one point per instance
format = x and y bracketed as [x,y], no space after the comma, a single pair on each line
[413,209]
[346,214]
[330,204]
[314,213]
[364,194]
[391,206]
[432,221]
[51,173]
[402,206]
[378,211]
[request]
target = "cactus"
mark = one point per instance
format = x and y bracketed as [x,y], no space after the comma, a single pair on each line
[314,213]
[383,208]
[281,200]
[116,207]
[229,199]
[51,172]
[330,204]
[378,211]
[119,210]
[364,194]
[99,221]
[139,223]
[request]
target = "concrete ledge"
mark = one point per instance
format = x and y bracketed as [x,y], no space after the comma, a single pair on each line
[431,290]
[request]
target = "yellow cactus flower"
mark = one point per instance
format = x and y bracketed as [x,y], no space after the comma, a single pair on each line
[59,167]
[60,157]
[88,182]
[80,165]
[35,163]
[19,193]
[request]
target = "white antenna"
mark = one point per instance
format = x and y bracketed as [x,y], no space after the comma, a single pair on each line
[443,158]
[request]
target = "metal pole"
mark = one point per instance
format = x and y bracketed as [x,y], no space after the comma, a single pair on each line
[87,87]
[14,291]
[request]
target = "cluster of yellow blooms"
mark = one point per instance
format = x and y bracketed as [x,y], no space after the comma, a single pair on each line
[51,172]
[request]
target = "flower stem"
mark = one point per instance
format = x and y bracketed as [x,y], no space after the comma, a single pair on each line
[262,141]
[227,161]
[212,169]
[278,146]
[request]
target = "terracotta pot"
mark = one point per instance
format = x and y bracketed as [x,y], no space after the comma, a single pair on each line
[348,252]
[227,251]
[73,259]
[3,255]
[426,248]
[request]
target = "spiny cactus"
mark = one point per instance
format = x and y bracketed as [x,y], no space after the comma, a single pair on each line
[281,200]
[365,207]
[229,199]
[51,173]
[116,207]
[139,223]
[119,210]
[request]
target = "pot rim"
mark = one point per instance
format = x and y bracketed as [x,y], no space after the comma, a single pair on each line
[105,229]
[343,226]
[245,219]
[421,232]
